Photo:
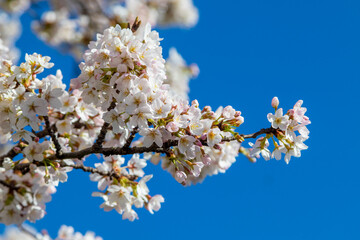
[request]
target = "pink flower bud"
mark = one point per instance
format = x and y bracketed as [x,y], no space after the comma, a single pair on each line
[17,149]
[36,139]
[206,109]
[203,137]
[194,68]
[206,159]
[180,176]
[228,112]
[195,103]
[172,127]
[275,102]
[240,120]
[198,143]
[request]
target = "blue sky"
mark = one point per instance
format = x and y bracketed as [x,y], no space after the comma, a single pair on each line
[248,52]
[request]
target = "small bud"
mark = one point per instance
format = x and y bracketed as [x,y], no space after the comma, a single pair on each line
[217,146]
[275,102]
[206,109]
[17,149]
[172,127]
[135,25]
[239,138]
[36,139]
[203,137]
[194,69]
[7,64]
[180,176]
[206,159]
[198,143]
[240,120]
[195,103]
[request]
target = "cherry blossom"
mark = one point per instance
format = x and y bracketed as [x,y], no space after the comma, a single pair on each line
[278,120]
[129,106]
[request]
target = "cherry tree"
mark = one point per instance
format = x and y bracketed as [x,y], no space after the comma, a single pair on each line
[127,101]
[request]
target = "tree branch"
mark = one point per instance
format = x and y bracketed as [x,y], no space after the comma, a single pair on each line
[131,138]
[100,139]
[153,148]
[262,131]
[51,131]
[111,174]
[24,167]
[125,150]
[8,185]
[108,151]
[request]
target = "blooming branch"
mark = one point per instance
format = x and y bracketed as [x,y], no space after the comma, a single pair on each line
[119,105]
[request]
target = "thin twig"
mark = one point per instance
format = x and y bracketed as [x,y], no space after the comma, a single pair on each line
[101,137]
[131,138]
[24,167]
[111,174]
[262,131]
[51,131]
[8,185]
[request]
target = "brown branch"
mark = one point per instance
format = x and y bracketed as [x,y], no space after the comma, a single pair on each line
[24,168]
[101,137]
[110,174]
[153,148]
[11,186]
[262,131]
[125,150]
[108,151]
[131,138]
[51,131]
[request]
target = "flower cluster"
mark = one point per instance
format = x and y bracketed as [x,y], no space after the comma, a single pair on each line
[120,104]
[286,126]
[24,98]
[4,55]
[9,33]
[202,148]
[23,196]
[123,193]
[72,25]
[26,102]
[65,233]
[127,101]
[160,12]
[178,73]
[15,6]
[123,73]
